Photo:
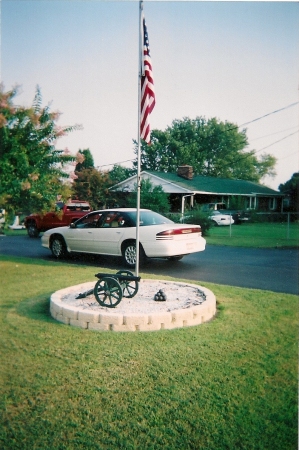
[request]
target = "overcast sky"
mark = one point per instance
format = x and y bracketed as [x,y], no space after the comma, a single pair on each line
[236,61]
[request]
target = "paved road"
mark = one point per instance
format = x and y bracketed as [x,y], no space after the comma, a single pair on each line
[271,269]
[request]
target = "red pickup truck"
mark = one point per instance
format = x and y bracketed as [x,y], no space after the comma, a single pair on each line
[64,215]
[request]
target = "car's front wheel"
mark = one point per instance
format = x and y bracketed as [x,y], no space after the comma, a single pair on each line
[58,247]
[129,253]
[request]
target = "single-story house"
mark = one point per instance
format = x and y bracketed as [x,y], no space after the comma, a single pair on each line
[185,188]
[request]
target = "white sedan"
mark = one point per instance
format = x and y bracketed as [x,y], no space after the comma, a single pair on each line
[113,232]
[221,219]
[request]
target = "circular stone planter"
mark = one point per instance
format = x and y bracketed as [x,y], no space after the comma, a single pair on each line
[186,305]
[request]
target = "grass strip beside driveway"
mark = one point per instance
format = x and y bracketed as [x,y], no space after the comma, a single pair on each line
[256,235]
[227,384]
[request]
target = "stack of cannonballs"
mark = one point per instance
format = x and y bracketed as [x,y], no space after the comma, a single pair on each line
[160,296]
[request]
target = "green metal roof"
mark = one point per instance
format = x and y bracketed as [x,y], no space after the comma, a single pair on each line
[217,185]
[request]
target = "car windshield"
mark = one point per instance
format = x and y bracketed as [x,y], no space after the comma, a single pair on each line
[149,218]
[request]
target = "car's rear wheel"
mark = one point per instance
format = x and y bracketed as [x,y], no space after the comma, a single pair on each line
[58,247]
[129,253]
[32,230]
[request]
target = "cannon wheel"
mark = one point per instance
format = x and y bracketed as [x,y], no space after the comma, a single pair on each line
[129,287]
[108,292]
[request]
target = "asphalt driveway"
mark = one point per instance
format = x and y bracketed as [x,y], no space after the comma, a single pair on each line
[268,269]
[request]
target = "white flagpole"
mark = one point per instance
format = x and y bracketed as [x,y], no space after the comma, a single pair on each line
[140,70]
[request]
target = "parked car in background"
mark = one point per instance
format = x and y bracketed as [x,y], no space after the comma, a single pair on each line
[238,215]
[113,232]
[64,214]
[221,219]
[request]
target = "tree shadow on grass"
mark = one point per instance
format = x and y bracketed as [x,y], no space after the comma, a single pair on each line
[36,308]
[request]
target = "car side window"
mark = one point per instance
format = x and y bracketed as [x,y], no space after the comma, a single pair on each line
[107,220]
[115,219]
[90,221]
[124,221]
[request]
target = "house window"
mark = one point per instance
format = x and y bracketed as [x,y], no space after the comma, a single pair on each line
[272,203]
[250,202]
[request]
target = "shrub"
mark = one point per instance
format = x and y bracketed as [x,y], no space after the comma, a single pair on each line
[200,218]
[256,217]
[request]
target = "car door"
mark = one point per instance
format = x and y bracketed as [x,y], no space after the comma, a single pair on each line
[80,237]
[109,235]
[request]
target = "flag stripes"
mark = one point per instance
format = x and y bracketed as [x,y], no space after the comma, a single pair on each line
[147,87]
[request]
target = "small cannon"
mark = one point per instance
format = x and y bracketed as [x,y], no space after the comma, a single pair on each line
[111,288]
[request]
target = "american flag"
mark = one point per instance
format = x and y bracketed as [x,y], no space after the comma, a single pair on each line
[147,87]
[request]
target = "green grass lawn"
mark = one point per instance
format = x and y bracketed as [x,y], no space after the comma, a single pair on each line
[227,384]
[263,235]
[9,232]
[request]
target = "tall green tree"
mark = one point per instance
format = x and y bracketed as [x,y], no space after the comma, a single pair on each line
[119,173]
[151,197]
[93,185]
[212,147]
[84,160]
[31,168]
[291,189]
